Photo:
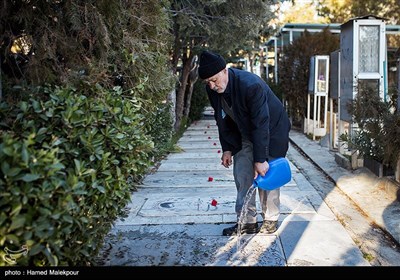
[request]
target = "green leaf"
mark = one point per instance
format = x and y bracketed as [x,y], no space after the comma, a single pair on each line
[84,252]
[50,257]
[17,222]
[107,172]
[101,189]
[3,217]
[127,120]
[44,211]
[67,218]
[27,235]
[5,167]
[20,116]
[13,172]
[84,220]
[23,106]
[57,166]
[35,249]
[36,106]
[30,243]
[30,177]
[79,185]
[77,165]
[56,216]
[25,155]
[8,151]
[15,209]
[49,113]
[57,142]
[41,131]
[80,192]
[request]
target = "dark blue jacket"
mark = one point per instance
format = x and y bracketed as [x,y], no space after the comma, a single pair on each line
[259,116]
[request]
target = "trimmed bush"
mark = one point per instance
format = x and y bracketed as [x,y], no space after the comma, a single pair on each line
[65,177]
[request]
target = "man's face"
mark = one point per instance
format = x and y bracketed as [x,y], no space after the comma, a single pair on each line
[219,81]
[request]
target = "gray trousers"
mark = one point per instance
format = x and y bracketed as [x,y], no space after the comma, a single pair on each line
[243,172]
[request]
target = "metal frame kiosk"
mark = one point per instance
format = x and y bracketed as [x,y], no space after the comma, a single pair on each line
[362,63]
[318,86]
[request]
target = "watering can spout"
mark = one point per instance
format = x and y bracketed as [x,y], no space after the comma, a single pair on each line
[278,174]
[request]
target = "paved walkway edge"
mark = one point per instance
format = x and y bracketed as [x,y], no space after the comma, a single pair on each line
[377,197]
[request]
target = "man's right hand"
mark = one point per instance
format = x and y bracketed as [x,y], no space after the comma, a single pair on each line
[226,159]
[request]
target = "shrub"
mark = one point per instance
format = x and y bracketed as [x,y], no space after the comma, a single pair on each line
[66,173]
[295,68]
[378,127]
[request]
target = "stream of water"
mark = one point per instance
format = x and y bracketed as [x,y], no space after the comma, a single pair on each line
[243,213]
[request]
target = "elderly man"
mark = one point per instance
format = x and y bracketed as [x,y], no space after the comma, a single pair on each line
[253,129]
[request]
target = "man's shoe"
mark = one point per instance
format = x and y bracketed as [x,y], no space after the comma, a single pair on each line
[269,227]
[245,228]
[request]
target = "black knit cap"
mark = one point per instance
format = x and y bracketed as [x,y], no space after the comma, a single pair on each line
[210,64]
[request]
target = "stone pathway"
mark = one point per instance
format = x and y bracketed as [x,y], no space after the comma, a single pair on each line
[171,221]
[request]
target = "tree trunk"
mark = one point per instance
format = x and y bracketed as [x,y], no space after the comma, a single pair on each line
[193,76]
[172,99]
[1,87]
[251,64]
[263,61]
[180,96]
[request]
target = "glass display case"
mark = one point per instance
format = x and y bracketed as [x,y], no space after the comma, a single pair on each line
[319,74]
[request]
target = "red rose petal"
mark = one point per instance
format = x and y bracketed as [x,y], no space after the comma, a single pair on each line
[214,202]
[210,179]
[219,151]
[215,144]
[209,137]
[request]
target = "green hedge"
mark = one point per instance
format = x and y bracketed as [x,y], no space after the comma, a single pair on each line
[64,176]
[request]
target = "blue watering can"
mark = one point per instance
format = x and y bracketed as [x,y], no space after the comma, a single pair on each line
[278,175]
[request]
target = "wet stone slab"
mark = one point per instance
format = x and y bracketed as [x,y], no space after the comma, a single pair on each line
[197,137]
[188,247]
[186,160]
[191,165]
[190,179]
[196,155]
[163,206]
[199,145]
